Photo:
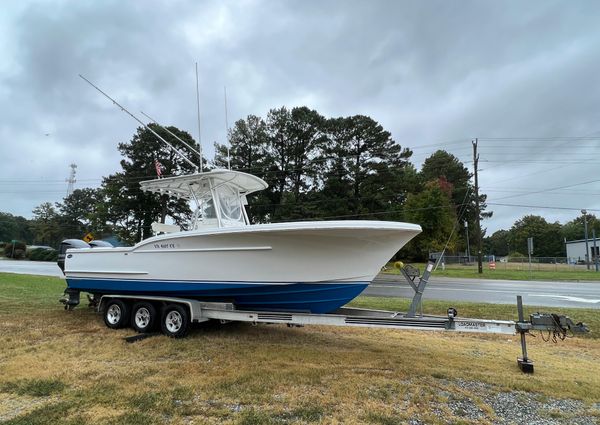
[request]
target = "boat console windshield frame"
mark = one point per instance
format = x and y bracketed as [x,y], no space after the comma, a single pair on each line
[219,196]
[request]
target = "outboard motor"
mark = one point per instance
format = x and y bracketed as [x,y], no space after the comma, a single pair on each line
[100,244]
[66,244]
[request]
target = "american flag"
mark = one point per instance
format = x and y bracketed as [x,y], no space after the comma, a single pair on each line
[158,167]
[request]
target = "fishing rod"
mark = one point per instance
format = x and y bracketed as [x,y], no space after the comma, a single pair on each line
[171,133]
[173,148]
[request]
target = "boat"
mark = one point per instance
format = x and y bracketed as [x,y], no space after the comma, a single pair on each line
[307,266]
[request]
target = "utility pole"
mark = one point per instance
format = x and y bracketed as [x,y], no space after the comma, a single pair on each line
[587,247]
[595,249]
[468,247]
[477,210]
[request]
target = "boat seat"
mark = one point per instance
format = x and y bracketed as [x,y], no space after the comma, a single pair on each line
[158,228]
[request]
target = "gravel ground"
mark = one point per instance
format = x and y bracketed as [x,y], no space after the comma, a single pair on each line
[517,407]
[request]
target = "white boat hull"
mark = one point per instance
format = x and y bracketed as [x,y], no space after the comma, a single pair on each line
[284,265]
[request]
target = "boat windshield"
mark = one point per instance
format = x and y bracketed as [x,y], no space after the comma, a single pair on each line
[207,209]
[230,205]
[217,197]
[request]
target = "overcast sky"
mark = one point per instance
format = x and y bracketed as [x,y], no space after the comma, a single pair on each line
[524,77]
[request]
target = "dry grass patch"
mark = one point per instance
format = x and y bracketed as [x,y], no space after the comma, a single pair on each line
[238,373]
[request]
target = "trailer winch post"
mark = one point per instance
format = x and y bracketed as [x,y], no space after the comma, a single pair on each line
[525,363]
[419,289]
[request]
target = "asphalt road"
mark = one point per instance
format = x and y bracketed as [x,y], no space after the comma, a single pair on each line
[43,268]
[548,294]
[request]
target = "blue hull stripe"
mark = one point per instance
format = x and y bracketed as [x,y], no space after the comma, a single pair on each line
[320,297]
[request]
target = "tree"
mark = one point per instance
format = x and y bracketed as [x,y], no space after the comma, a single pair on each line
[498,243]
[442,164]
[46,225]
[14,228]
[248,152]
[132,211]
[318,167]
[433,210]
[82,212]
[548,241]
[372,162]
[575,229]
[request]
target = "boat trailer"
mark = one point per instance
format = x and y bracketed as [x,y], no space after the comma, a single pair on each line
[557,327]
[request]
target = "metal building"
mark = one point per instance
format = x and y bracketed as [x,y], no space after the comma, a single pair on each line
[576,250]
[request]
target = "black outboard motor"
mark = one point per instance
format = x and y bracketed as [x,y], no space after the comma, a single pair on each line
[100,244]
[66,244]
[71,298]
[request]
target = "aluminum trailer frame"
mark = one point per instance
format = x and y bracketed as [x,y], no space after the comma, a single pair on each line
[558,326]
[201,311]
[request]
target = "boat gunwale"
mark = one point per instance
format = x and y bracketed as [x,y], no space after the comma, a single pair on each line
[266,228]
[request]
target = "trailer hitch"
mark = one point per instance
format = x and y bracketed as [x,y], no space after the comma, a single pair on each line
[557,327]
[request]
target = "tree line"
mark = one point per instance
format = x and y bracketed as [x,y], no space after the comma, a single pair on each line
[317,168]
[548,238]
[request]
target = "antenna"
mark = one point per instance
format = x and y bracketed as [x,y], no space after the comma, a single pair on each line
[198,108]
[173,148]
[71,180]
[171,133]
[227,129]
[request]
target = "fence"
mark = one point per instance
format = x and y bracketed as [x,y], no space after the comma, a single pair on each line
[513,263]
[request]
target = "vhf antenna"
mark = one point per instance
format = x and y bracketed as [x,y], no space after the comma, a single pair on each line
[198,109]
[173,148]
[227,130]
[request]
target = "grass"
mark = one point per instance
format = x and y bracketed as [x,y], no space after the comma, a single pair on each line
[67,367]
[510,271]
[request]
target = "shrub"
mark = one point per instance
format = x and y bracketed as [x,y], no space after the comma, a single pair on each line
[42,254]
[51,255]
[18,252]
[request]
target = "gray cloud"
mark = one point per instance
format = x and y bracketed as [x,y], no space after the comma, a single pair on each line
[429,72]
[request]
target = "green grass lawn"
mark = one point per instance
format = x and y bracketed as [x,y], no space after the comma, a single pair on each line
[505,272]
[60,366]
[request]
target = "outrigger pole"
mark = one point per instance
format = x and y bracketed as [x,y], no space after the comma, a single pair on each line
[173,148]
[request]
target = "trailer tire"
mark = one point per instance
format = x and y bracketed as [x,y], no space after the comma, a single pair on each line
[143,317]
[175,322]
[116,314]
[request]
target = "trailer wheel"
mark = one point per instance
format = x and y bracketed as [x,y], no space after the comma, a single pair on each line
[143,317]
[175,321]
[116,314]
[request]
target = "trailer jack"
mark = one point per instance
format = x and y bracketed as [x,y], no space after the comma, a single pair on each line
[557,326]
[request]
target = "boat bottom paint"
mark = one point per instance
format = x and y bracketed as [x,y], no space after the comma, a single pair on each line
[322,297]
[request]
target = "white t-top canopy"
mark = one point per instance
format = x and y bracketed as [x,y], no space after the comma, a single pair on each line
[200,184]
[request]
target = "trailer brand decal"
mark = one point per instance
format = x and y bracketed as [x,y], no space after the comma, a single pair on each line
[470,325]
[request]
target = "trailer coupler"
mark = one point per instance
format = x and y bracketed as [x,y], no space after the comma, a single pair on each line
[555,326]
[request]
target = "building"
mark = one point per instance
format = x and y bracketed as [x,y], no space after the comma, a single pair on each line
[576,250]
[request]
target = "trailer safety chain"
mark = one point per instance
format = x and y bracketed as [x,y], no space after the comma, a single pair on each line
[558,332]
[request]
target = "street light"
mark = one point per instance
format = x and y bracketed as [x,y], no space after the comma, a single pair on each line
[587,248]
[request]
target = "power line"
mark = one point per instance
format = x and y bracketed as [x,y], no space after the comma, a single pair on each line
[551,189]
[540,206]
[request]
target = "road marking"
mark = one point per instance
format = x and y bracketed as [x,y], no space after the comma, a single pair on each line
[566,298]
